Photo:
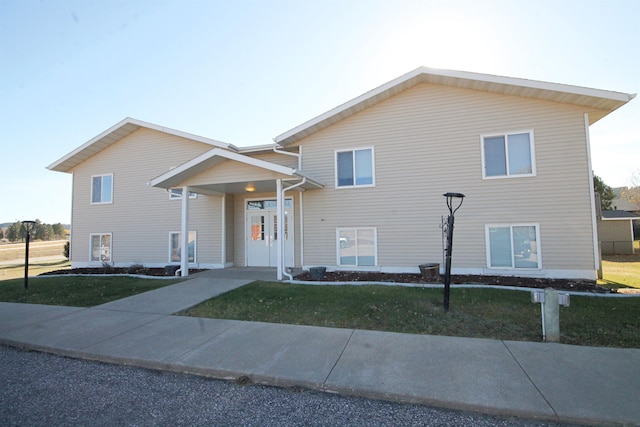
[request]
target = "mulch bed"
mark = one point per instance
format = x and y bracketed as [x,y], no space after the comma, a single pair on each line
[527,282]
[121,270]
[363,276]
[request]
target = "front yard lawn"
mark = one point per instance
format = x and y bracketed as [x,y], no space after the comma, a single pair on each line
[482,313]
[621,271]
[77,291]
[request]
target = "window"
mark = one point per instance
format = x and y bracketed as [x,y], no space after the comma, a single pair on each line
[508,155]
[357,247]
[354,168]
[513,246]
[101,189]
[100,245]
[175,247]
[176,194]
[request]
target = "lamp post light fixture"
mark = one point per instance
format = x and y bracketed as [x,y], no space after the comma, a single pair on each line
[449,230]
[28,226]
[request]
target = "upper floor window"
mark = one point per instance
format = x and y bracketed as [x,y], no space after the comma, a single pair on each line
[354,168]
[102,189]
[176,193]
[508,155]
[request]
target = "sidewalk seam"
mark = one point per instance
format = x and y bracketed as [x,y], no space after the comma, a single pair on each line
[324,382]
[530,380]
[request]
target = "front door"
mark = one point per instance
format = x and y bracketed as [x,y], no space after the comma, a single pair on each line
[262,233]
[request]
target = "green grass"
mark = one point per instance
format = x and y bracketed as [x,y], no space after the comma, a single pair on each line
[76,291]
[15,271]
[621,271]
[481,313]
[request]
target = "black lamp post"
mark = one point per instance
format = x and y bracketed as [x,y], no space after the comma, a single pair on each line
[28,226]
[449,248]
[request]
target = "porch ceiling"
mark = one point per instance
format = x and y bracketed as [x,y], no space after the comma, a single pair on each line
[262,186]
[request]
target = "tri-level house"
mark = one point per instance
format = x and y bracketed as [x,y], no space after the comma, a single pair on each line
[359,187]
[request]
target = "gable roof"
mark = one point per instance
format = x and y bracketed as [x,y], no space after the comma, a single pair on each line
[116,133]
[211,158]
[618,214]
[598,102]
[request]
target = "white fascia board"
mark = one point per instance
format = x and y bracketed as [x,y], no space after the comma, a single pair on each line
[349,104]
[89,143]
[55,165]
[185,135]
[217,152]
[425,74]
[532,84]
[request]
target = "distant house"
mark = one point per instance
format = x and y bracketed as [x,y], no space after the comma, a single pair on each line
[358,187]
[616,232]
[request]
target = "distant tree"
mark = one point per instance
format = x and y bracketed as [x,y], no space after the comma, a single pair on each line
[14,232]
[58,231]
[43,231]
[1,233]
[606,193]
[632,193]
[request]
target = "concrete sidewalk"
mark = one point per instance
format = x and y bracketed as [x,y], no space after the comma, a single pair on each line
[555,382]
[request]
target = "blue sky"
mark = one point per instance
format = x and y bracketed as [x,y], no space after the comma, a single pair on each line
[245,71]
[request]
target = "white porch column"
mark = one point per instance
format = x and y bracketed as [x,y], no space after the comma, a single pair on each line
[279,226]
[184,246]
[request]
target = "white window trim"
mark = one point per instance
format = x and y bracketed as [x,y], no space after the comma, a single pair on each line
[174,196]
[511,225]
[532,152]
[195,247]
[91,192]
[353,150]
[375,245]
[91,260]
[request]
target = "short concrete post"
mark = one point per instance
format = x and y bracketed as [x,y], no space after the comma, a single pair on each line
[550,301]
[551,313]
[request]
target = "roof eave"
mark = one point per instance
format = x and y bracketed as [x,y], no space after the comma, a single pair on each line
[599,102]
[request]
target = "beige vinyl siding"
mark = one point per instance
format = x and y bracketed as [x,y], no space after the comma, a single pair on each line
[427,142]
[231,171]
[141,217]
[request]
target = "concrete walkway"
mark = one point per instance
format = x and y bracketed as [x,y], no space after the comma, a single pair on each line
[554,382]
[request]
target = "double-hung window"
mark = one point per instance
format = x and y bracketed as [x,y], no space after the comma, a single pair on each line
[508,155]
[175,247]
[513,246]
[100,245]
[101,189]
[357,246]
[355,168]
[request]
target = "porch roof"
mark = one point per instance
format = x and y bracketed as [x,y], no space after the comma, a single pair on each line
[178,176]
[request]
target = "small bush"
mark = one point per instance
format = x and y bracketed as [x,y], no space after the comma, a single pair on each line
[136,269]
[65,250]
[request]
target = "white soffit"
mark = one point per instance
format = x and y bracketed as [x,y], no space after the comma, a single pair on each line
[116,133]
[598,103]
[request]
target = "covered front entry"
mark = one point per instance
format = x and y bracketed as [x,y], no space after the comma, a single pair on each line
[221,172]
[262,233]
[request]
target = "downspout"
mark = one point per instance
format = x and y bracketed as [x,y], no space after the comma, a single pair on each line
[594,219]
[284,269]
[275,150]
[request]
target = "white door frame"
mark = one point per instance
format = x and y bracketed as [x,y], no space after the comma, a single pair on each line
[270,214]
